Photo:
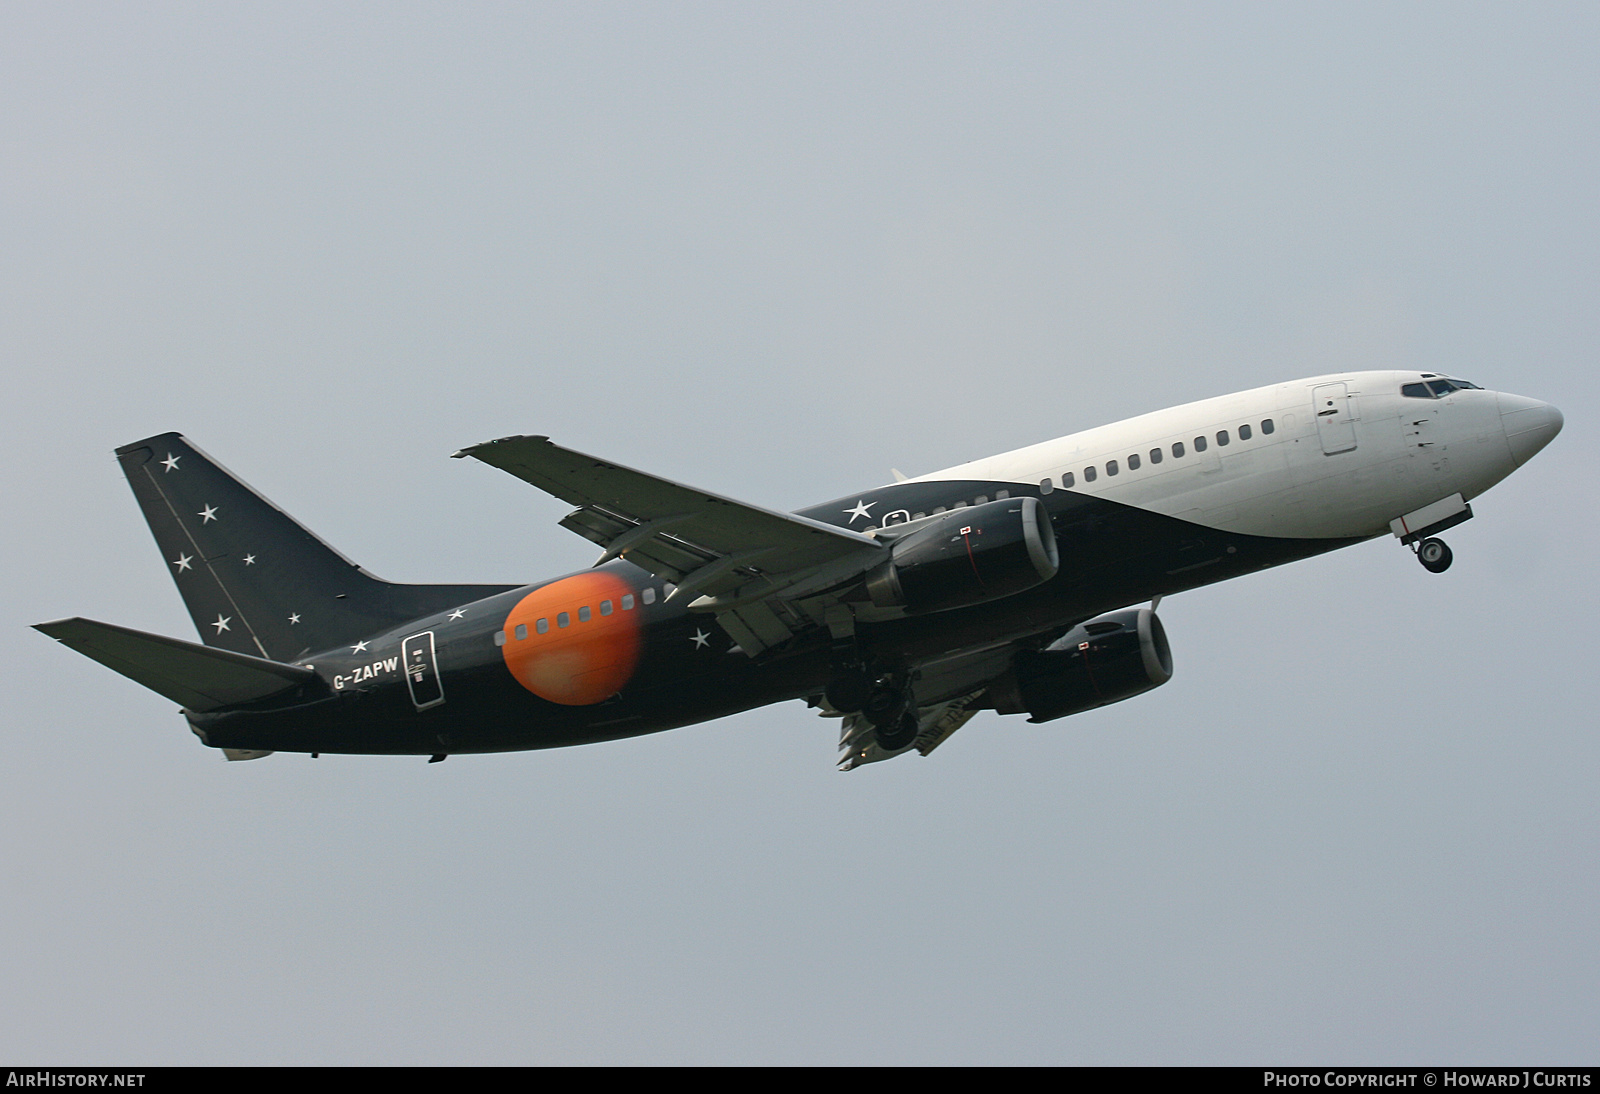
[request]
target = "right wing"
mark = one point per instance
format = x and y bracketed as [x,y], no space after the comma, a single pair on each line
[765,574]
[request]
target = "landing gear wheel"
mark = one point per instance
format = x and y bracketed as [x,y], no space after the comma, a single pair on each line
[901,736]
[1434,555]
[849,692]
[884,707]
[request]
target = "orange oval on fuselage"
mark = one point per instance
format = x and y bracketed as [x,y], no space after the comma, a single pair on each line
[588,660]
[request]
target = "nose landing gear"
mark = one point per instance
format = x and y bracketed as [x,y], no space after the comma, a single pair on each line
[1420,529]
[1435,555]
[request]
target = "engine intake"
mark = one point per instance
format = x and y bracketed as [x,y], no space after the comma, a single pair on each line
[1097,663]
[968,556]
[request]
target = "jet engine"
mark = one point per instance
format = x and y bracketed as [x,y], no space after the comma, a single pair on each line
[1103,661]
[968,556]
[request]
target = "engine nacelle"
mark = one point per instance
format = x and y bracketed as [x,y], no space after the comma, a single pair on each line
[1097,663]
[968,556]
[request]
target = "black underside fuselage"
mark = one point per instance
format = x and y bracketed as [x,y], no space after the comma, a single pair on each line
[443,684]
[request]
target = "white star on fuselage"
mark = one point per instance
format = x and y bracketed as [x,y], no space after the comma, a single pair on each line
[700,639]
[457,614]
[171,462]
[222,623]
[359,646]
[249,560]
[860,510]
[294,617]
[182,562]
[207,515]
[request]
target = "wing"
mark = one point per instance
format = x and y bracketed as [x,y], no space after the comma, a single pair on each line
[760,571]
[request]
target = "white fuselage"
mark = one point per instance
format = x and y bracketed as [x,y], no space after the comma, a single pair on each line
[1334,456]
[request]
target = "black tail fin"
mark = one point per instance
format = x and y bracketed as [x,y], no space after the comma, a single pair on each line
[254,581]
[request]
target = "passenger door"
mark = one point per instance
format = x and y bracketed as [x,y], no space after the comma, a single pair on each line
[1333,406]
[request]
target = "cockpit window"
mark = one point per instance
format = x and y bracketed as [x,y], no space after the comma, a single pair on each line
[1436,388]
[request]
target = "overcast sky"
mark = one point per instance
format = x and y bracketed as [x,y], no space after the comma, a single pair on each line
[775,250]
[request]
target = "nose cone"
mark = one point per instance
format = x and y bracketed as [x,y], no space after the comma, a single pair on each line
[1529,425]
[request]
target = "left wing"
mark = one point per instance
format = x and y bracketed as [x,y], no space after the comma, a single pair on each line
[751,566]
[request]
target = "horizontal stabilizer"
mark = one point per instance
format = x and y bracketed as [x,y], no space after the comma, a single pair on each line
[200,678]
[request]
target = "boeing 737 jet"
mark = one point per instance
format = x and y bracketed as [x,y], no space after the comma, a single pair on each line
[1011,583]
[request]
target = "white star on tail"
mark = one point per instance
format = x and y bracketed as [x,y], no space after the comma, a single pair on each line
[249,560]
[457,614]
[222,623]
[701,638]
[171,462]
[359,646]
[860,510]
[207,515]
[182,562]
[294,617]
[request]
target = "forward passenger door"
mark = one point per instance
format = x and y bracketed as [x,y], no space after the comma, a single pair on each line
[1333,406]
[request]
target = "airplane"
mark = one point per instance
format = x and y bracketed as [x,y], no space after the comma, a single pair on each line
[1012,583]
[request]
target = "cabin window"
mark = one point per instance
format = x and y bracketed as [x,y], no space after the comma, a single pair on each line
[982,499]
[627,602]
[1244,432]
[1267,426]
[1090,474]
[543,626]
[522,631]
[1177,450]
[563,619]
[1222,438]
[1046,486]
[918,516]
[1155,455]
[499,638]
[1199,444]
[961,504]
[668,588]
[1067,481]
[605,607]
[1111,467]
[583,614]
[649,595]
[1133,462]
[1001,495]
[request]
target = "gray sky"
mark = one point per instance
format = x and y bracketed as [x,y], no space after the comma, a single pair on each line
[774,251]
